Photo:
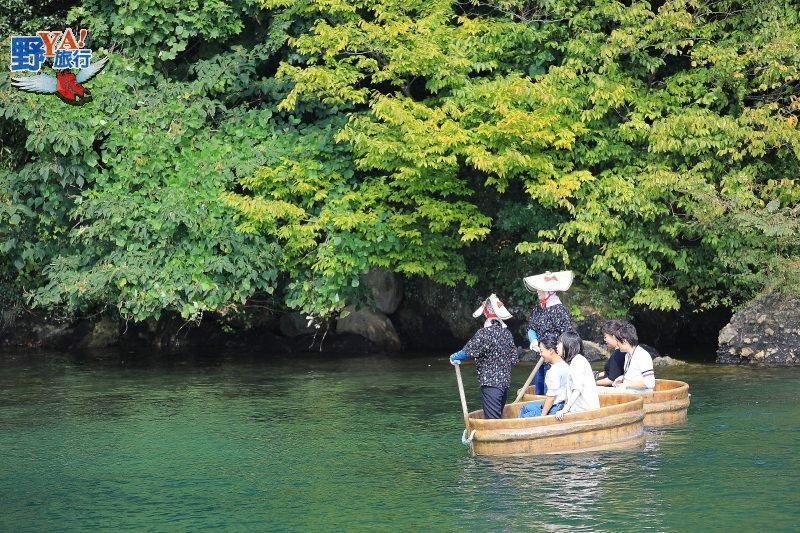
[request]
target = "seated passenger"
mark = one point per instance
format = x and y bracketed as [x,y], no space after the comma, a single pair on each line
[615,364]
[581,387]
[639,375]
[555,381]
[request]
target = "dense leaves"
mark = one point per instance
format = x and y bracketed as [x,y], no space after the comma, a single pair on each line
[651,133]
[235,149]
[122,204]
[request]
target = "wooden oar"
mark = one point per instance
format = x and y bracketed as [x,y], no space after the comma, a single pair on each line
[463,398]
[530,378]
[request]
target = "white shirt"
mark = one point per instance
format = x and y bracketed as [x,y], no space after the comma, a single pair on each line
[639,367]
[581,379]
[556,381]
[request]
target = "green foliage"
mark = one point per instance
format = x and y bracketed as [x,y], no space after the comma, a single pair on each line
[155,32]
[21,17]
[629,123]
[236,149]
[334,226]
[134,221]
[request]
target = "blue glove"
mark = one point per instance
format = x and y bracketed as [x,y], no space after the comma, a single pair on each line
[534,340]
[457,357]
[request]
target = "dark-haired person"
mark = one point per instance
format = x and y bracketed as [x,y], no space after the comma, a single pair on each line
[547,316]
[639,375]
[494,352]
[582,390]
[556,381]
[615,364]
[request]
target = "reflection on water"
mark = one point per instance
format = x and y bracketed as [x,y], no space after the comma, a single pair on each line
[580,492]
[553,493]
[372,443]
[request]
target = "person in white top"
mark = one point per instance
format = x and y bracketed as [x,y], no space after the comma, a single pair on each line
[582,389]
[639,375]
[555,381]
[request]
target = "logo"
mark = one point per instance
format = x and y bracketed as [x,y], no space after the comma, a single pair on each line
[30,52]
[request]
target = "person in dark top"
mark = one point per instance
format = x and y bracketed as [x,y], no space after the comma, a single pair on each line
[494,352]
[549,316]
[615,366]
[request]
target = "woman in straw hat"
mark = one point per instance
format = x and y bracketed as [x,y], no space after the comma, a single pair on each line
[549,315]
[494,352]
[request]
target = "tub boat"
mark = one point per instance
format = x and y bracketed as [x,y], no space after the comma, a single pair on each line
[618,424]
[667,404]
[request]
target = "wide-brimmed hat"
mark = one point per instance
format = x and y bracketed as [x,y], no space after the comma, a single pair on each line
[549,281]
[492,307]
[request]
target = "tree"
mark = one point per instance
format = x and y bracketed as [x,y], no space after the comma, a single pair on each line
[234,150]
[118,204]
[627,122]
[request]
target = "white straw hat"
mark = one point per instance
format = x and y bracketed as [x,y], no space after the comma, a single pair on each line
[492,307]
[549,281]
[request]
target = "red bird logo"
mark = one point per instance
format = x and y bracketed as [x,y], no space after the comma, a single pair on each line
[64,84]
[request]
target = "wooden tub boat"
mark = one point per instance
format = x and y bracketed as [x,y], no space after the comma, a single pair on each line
[618,424]
[667,404]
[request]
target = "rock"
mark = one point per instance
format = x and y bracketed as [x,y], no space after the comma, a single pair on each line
[527,355]
[104,334]
[667,361]
[727,334]
[386,288]
[48,333]
[677,331]
[256,341]
[168,332]
[766,331]
[347,343]
[421,332]
[372,325]
[593,351]
[51,335]
[457,314]
[436,317]
[296,324]
[588,326]
[652,351]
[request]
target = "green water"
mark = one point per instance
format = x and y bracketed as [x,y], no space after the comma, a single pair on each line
[366,444]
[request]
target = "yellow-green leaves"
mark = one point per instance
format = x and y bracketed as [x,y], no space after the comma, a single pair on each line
[636,128]
[652,147]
